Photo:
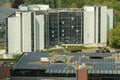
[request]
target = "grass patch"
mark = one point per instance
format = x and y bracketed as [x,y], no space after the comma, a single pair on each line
[2,46]
[54,50]
[14,60]
[70,48]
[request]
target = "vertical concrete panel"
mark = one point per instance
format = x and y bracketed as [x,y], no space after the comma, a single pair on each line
[103,24]
[110,19]
[39,32]
[14,35]
[26,31]
[89,25]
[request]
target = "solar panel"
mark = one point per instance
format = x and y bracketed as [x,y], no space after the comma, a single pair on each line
[23,63]
[104,66]
[91,61]
[74,59]
[70,68]
[96,54]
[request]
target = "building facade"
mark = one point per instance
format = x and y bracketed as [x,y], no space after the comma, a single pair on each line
[27,30]
[40,29]
[87,26]
[39,33]
[65,27]
[19,33]
[95,25]
[14,35]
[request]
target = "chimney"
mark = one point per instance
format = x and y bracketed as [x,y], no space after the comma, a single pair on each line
[82,74]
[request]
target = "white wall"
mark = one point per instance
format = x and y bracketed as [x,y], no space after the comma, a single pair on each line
[110,18]
[14,35]
[39,32]
[89,25]
[26,32]
[103,24]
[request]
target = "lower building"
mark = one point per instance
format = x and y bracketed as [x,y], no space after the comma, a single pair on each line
[5,72]
[67,66]
[5,69]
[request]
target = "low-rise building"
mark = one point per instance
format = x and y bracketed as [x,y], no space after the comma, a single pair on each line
[73,66]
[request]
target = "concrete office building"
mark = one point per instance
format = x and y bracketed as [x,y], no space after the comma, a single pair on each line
[14,35]
[19,33]
[98,21]
[110,18]
[27,32]
[28,29]
[39,33]
[65,27]
[95,25]
[87,26]
[46,28]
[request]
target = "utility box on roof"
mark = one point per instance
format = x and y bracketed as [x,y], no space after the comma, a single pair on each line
[44,61]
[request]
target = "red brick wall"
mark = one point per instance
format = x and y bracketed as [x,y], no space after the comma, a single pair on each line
[82,75]
[45,62]
[4,71]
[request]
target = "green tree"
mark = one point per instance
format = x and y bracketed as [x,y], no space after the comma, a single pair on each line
[73,5]
[28,1]
[0,4]
[114,37]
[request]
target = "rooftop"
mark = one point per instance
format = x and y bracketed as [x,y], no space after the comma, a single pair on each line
[92,62]
[5,12]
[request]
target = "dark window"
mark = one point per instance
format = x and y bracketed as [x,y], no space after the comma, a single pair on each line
[99,24]
[32,31]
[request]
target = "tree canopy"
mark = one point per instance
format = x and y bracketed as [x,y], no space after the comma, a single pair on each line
[114,37]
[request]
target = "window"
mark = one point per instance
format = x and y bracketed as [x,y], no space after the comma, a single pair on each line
[63,22]
[72,26]
[76,31]
[72,18]
[52,36]
[52,31]
[63,30]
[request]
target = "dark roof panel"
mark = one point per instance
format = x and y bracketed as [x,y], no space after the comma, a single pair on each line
[5,12]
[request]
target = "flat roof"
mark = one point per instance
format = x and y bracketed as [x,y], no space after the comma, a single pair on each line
[74,61]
